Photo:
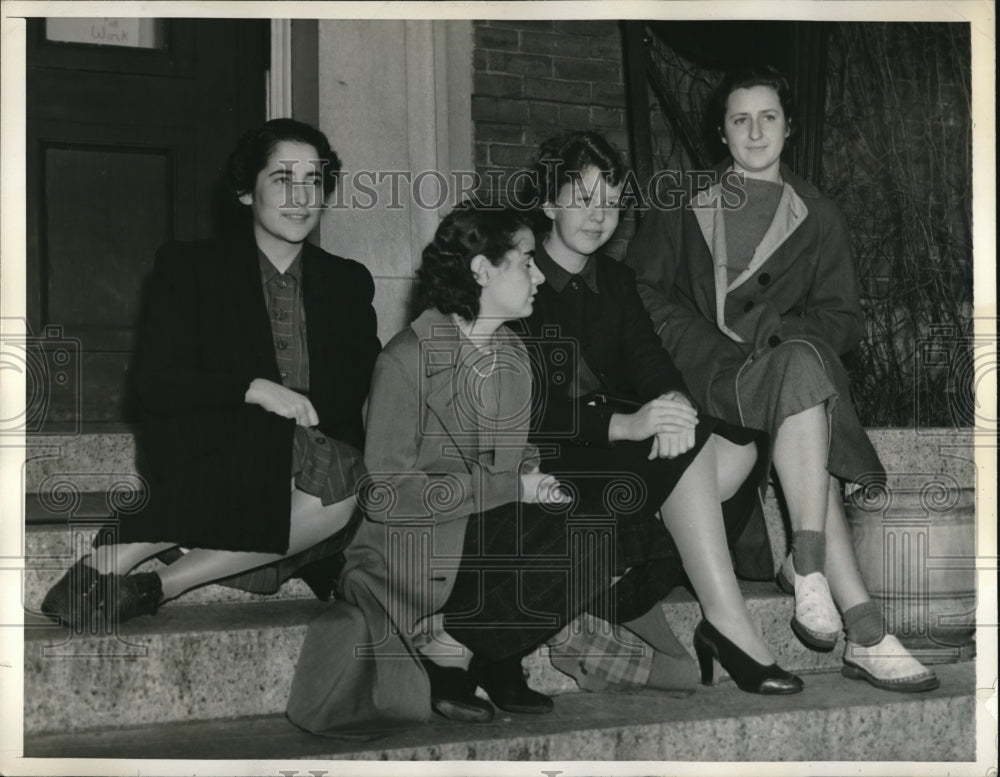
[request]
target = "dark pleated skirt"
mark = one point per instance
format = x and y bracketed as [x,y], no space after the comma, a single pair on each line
[630,488]
[528,570]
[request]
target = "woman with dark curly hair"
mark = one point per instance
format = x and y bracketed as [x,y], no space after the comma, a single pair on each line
[621,406]
[756,300]
[253,361]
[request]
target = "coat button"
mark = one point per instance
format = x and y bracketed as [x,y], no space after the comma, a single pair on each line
[320,440]
[763,279]
[748,307]
[774,341]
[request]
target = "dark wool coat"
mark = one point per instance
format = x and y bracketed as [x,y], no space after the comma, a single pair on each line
[619,345]
[218,469]
[800,285]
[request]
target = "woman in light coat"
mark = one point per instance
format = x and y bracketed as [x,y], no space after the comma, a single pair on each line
[752,290]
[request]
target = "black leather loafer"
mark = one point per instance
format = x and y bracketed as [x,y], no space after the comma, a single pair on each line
[138,594]
[453,694]
[505,683]
[79,598]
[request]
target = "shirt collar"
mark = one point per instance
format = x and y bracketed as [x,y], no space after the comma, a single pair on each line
[270,272]
[557,276]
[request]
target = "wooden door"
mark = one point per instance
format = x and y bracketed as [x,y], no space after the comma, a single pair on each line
[126,146]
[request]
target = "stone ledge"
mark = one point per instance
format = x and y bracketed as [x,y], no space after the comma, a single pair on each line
[834,719]
[97,461]
[207,661]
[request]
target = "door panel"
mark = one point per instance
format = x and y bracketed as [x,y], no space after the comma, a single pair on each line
[126,147]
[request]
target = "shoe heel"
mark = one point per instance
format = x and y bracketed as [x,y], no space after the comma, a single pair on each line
[851,673]
[810,640]
[710,668]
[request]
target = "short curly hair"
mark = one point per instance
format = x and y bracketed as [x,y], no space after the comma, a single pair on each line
[445,280]
[255,147]
[563,158]
[746,78]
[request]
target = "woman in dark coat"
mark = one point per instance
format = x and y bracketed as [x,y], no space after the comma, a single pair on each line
[253,361]
[752,290]
[616,405]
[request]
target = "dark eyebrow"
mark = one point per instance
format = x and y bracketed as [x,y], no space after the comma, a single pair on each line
[314,174]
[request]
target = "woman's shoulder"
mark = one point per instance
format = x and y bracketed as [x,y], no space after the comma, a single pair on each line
[349,269]
[611,271]
[184,256]
[401,345]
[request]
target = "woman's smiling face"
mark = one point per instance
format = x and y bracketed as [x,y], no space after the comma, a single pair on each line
[287,198]
[754,128]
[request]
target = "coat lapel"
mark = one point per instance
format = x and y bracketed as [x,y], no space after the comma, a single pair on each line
[441,357]
[788,217]
[439,341]
[318,291]
[711,220]
[251,304]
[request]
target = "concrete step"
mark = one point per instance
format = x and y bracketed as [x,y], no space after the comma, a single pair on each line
[834,719]
[202,662]
[50,549]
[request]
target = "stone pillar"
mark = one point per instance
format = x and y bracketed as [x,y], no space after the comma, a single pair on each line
[395,100]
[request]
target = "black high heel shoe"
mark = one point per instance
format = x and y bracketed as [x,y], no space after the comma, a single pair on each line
[711,646]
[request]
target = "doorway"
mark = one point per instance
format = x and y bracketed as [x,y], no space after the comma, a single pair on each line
[129,122]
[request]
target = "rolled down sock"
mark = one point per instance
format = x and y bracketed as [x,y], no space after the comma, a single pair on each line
[808,551]
[864,625]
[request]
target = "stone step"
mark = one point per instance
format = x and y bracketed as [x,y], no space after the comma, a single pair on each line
[51,548]
[834,719]
[203,662]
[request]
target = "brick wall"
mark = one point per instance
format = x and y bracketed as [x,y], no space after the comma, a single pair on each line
[533,79]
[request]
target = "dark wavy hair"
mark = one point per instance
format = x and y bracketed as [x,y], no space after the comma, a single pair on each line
[746,78]
[445,280]
[255,148]
[564,157]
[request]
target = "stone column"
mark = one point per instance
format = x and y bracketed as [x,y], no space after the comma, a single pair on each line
[395,101]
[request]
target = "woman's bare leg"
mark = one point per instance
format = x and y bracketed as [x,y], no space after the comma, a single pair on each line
[311,523]
[693,515]
[734,463]
[121,558]
[800,452]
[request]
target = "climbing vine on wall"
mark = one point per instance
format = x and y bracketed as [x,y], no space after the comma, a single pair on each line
[898,160]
